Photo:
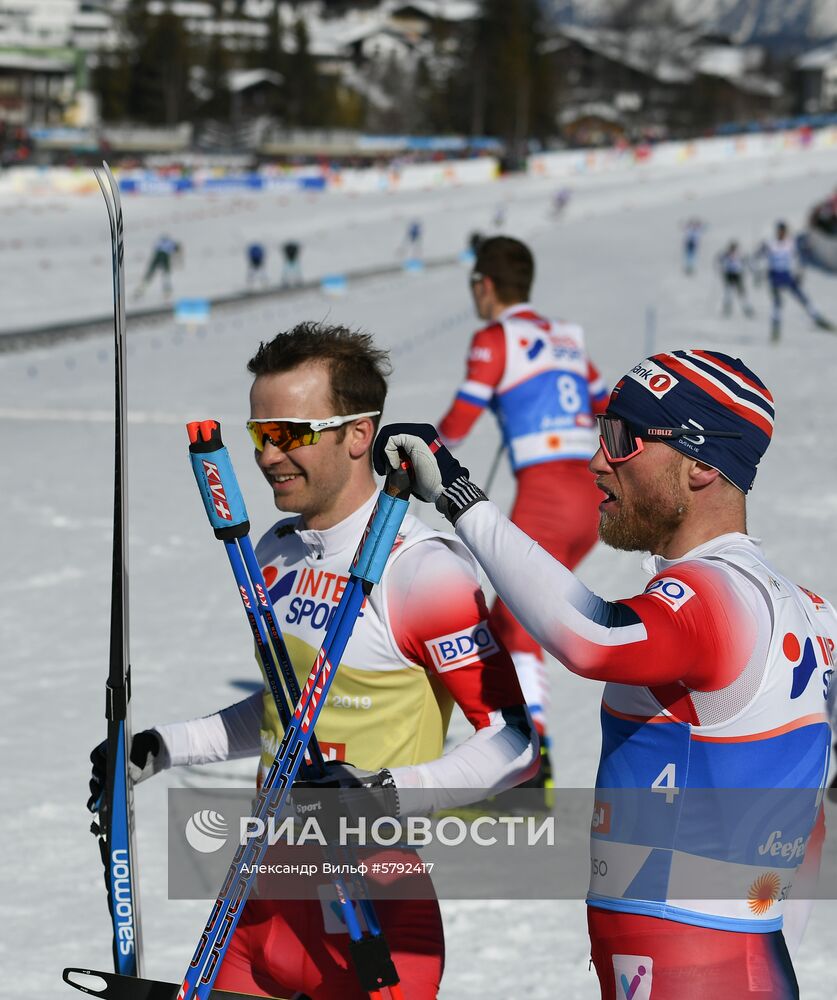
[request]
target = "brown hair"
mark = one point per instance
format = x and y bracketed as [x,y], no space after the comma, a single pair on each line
[509,264]
[357,368]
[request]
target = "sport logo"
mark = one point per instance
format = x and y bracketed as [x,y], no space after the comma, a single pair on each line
[216,489]
[670,591]
[601,817]
[121,900]
[633,975]
[480,353]
[653,378]
[763,893]
[314,688]
[206,831]
[332,751]
[791,850]
[807,659]
[815,599]
[461,648]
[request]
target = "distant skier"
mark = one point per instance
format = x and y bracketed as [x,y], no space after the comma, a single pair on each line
[411,246]
[692,233]
[165,251]
[498,219]
[560,201]
[255,264]
[784,272]
[291,268]
[732,265]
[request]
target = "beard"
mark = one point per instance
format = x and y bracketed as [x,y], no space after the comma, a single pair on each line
[645,523]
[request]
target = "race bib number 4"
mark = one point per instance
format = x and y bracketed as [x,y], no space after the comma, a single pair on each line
[461,648]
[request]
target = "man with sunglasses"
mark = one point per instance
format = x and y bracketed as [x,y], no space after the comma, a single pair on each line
[420,645]
[716,681]
[535,374]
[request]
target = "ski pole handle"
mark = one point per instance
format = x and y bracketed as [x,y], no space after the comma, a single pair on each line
[372,552]
[216,480]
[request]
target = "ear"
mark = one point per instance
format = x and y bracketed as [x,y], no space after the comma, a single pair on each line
[701,476]
[360,436]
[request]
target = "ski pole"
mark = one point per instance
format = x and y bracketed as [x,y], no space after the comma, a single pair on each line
[223,502]
[227,514]
[495,465]
[366,569]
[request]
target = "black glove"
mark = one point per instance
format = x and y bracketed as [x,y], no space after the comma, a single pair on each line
[436,475]
[345,791]
[145,759]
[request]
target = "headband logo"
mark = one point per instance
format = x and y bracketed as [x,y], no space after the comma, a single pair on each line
[654,379]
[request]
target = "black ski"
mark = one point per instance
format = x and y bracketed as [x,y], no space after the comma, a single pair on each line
[115,827]
[116,987]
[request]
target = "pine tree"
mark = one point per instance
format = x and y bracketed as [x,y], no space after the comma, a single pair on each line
[506,75]
[216,80]
[162,57]
[303,83]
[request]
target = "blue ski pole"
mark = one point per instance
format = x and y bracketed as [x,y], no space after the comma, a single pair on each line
[225,508]
[227,514]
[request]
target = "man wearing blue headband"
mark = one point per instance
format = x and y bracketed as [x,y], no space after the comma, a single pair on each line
[716,681]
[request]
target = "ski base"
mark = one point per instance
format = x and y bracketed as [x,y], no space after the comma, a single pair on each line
[112,986]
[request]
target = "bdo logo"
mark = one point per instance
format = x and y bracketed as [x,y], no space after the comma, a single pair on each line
[670,591]
[461,648]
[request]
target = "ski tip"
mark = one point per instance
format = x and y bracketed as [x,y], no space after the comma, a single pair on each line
[85,980]
[203,430]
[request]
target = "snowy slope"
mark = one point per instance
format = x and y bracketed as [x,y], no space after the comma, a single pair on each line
[613,255]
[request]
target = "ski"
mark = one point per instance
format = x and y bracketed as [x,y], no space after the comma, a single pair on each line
[112,986]
[115,826]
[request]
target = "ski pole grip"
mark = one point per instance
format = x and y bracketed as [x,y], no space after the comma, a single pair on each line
[381,533]
[399,482]
[216,480]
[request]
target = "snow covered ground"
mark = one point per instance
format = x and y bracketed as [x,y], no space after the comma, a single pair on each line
[613,257]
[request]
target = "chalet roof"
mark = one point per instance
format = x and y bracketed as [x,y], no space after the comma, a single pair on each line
[445,10]
[590,109]
[676,60]
[818,58]
[243,79]
[637,50]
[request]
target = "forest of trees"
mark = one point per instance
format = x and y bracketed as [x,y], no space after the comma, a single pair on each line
[488,76]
